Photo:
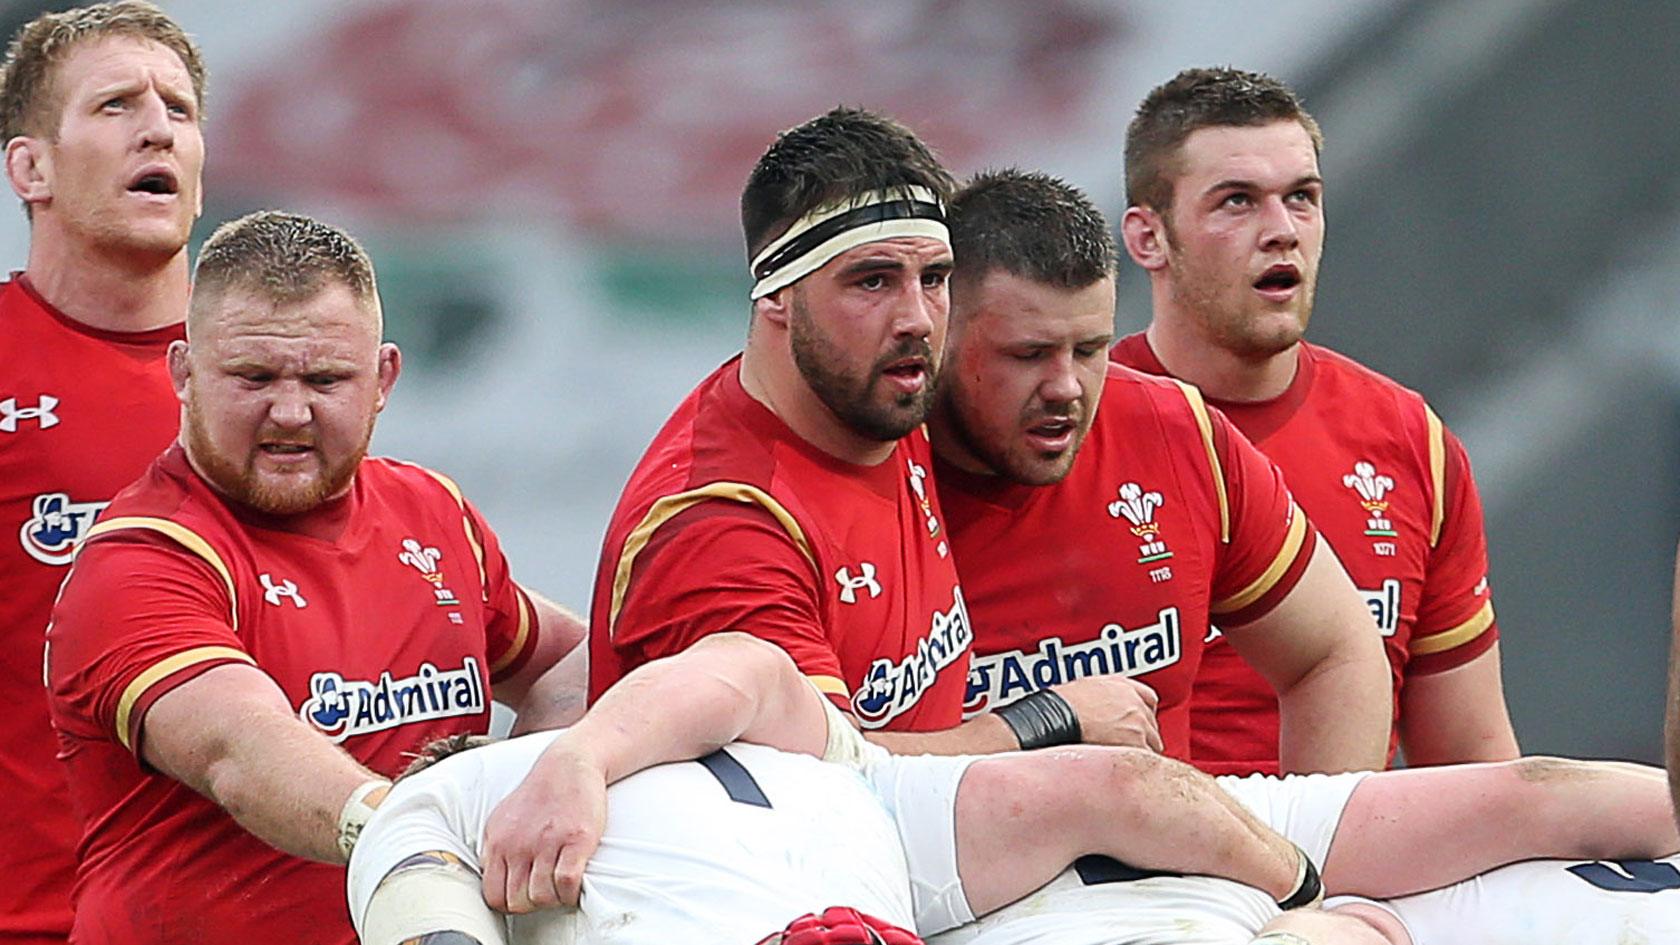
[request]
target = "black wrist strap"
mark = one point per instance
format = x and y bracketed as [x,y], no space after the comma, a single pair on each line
[1040,720]
[1309,888]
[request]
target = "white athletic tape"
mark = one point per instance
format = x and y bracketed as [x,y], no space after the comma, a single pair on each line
[416,900]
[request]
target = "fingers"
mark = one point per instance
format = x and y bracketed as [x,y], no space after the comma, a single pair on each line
[495,877]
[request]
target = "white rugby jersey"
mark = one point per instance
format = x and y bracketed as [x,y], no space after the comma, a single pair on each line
[1552,902]
[729,848]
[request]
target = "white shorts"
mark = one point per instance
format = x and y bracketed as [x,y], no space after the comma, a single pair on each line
[1173,910]
[920,792]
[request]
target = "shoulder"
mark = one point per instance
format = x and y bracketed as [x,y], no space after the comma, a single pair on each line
[1339,372]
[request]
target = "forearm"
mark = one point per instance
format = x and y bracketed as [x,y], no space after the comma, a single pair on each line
[1457,715]
[1332,720]
[558,698]
[257,781]
[982,735]
[725,688]
[230,735]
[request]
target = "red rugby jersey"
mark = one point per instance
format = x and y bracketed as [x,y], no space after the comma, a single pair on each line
[731,521]
[1390,488]
[384,616]
[1167,516]
[82,412]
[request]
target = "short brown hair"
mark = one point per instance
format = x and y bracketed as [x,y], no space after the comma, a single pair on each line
[29,105]
[1190,101]
[287,257]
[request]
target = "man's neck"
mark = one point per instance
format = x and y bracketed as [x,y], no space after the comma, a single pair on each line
[781,389]
[106,292]
[1221,374]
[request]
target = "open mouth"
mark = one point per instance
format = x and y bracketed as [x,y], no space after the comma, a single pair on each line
[155,181]
[1279,279]
[1052,433]
[907,373]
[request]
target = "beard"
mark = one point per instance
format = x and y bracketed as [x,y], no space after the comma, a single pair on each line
[853,396]
[241,483]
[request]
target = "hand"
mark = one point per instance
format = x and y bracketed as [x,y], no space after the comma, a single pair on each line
[539,838]
[1114,710]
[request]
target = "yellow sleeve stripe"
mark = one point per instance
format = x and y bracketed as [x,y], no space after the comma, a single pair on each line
[519,637]
[186,538]
[168,666]
[1274,572]
[669,506]
[1456,636]
[466,523]
[832,685]
[1205,423]
[1437,474]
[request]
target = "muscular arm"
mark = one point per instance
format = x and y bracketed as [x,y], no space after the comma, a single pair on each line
[547,691]
[1320,650]
[726,687]
[230,735]
[1112,710]
[1457,715]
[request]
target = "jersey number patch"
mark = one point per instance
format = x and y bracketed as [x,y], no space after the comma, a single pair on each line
[737,781]
[1641,876]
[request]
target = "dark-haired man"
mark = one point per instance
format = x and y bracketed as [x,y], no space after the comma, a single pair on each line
[260,629]
[1146,512]
[1225,213]
[100,111]
[788,496]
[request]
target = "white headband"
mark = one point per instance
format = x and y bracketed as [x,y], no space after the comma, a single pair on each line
[830,230]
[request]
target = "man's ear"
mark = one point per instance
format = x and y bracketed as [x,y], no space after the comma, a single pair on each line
[29,169]
[1144,231]
[179,369]
[775,308]
[390,365]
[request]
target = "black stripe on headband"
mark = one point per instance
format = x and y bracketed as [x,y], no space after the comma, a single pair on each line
[850,220]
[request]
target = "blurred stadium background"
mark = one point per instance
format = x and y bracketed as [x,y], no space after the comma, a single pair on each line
[549,190]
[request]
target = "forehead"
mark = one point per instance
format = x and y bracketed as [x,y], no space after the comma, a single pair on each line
[115,59]
[332,321]
[910,251]
[1013,307]
[1281,150]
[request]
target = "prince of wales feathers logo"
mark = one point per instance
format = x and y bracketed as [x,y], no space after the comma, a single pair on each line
[425,560]
[1371,488]
[1139,508]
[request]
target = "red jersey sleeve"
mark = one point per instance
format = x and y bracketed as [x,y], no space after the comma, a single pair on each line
[137,617]
[510,622]
[1270,539]
[1455,621]
[720,566]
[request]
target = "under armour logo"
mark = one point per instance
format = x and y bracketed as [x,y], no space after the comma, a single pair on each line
[849,586]
[42,413]
[273,592]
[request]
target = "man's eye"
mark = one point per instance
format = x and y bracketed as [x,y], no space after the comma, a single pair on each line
[112,104]
[934,280]
[1033,355]
[1236,200]
[872,282]
[322,380]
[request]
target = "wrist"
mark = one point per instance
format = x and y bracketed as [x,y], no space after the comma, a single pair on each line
[1040,720]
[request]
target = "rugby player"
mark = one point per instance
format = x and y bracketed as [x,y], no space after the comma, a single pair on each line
[258,630]
[717,850]
[100,109]
[1671,717]
[1226,215]
[1100,517]
[723,849]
